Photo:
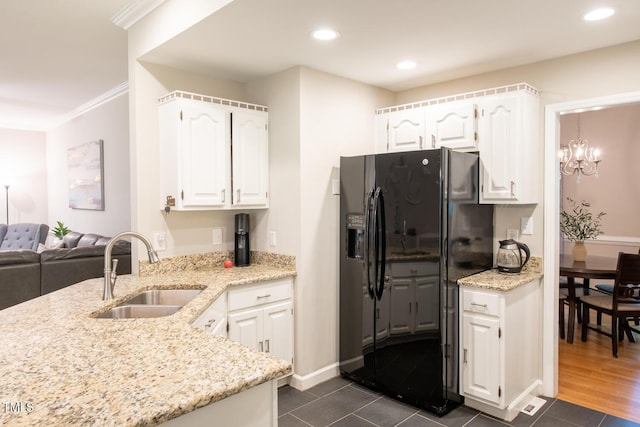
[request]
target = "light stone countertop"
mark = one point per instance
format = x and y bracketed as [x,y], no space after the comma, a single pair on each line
[494,280]
[62,367]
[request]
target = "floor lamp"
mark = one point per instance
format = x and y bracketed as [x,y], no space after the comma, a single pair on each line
[6,193]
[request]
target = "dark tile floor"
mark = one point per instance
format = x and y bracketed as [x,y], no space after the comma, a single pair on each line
[341,403]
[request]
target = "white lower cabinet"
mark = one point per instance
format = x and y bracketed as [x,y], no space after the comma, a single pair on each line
[214,318]
[261,317]
[258,315]
[500,339]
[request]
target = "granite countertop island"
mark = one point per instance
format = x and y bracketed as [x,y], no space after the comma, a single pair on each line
[61,366]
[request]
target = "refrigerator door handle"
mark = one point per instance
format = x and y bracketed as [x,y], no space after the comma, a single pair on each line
[367,241]
[380,242]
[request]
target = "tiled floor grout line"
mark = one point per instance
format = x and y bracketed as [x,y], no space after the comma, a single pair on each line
[297,418]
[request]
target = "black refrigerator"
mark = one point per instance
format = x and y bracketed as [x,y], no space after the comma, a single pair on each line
[410,227]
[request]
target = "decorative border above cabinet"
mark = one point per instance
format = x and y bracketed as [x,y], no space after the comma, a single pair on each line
[502,124]
[214,153]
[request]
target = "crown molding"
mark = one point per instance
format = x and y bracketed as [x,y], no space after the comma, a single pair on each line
[134,12]
[121,89]
[55,122]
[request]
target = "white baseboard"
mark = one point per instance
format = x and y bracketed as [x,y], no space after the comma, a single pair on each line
[314,378]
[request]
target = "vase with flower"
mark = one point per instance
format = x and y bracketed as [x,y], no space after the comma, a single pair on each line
[578,224]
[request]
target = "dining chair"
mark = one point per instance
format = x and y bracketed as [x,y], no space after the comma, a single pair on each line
[622,304]
[608,289]
[564,295]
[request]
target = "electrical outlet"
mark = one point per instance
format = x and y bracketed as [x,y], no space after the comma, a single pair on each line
[512,233]
[160,241]
[217,236]
[272,238]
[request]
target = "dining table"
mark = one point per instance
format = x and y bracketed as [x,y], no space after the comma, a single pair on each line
[593,267]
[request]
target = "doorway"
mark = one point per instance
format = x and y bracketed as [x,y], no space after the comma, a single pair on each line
[551,224]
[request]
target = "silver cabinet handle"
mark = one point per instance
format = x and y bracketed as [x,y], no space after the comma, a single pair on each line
[465,356]
[260,346]
[421,141]
[263,296]
[224,190]
[266,345]
[479,305]
[513,189]
[433,141]
[238,201]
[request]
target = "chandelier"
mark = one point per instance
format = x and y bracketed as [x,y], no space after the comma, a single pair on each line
[577,157]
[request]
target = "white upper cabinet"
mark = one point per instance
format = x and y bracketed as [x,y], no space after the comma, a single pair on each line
[402,130]
[501,124]
[406,130]
[509,148]
[250,158]
[212,155]
[453,125]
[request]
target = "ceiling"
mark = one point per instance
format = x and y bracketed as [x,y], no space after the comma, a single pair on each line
[59,56]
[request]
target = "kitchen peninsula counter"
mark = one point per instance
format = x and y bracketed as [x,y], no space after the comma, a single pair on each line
[61,366]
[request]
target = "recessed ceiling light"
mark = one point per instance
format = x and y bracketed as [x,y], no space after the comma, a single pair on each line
[325,34]
[598,14]
[406,65]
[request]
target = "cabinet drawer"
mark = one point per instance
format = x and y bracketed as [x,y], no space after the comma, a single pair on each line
[258,294]
[409,269]
[481,302]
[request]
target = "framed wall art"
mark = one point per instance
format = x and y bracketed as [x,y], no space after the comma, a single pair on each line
[86,176]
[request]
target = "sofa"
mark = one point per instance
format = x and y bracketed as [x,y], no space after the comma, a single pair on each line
[22,236]
[27,273]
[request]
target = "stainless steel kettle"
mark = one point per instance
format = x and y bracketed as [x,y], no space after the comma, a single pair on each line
[510,256]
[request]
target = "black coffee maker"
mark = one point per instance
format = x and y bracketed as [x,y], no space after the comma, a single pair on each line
[242,253]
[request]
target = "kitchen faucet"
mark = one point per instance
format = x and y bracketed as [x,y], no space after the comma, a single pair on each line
[110,274]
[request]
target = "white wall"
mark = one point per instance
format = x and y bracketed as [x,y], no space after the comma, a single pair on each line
[281,92]
[23,165]
[109,122]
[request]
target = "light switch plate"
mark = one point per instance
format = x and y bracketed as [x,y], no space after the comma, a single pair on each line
[160,241]
[217,236]
[526,225]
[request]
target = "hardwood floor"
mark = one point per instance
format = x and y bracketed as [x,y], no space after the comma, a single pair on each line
[589,375]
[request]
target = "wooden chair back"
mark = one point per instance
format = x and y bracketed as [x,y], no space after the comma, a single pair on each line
[626,288]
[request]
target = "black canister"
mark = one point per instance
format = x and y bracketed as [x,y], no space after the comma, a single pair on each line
[242,253]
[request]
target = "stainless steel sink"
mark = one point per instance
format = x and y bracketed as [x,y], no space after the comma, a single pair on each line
[178,297]
[139,311]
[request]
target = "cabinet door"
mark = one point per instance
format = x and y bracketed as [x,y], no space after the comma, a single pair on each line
[246,328]
[278,331]
[499,149]
[205,155]
[250,158]
[401,306]
[382,133]
[427,303]
[453,125]
[481,357]
[406,130]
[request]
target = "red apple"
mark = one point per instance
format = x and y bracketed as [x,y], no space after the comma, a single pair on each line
[227,263]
